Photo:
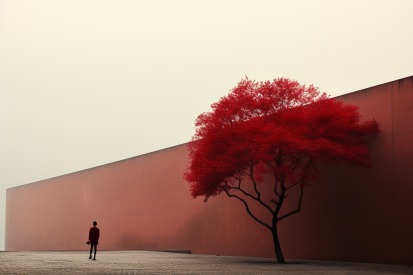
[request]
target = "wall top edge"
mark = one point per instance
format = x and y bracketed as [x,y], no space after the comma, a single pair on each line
[397,80]
[99,165]
[385,83]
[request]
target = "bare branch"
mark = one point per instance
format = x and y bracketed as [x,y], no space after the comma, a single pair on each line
[272,200]
[295,211]
[280,202]
[275,189]
[248,210]
[276,202]
[294,184]
[257,199]
[262,203]
[256,190]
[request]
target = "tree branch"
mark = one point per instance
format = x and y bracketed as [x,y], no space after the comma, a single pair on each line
[295,211]
[275,188]
[294,164]
[248,210]
[256,190]
[306,168]
[272,200]
[249,195]
[294,184]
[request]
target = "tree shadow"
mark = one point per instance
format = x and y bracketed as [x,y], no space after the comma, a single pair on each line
[345,266]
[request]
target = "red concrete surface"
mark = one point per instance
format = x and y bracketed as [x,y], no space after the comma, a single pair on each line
[143,203]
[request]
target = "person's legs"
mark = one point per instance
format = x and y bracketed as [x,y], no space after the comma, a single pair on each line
[94,257]
[91,247]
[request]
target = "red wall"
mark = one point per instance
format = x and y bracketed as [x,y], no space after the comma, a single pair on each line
[142,203]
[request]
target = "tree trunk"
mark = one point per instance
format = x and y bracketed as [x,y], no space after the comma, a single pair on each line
[277,247]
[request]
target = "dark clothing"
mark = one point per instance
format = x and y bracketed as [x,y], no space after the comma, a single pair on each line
[94,235]
[91,247]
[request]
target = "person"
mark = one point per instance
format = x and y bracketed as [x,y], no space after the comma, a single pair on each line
[93,238]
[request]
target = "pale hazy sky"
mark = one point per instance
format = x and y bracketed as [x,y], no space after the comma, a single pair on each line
[89,82]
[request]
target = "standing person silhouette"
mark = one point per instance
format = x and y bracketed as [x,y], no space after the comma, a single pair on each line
[93,238]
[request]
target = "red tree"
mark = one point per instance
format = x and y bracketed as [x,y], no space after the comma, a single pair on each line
[281,128]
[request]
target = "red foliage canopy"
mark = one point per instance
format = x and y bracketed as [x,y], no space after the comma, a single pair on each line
[280,127]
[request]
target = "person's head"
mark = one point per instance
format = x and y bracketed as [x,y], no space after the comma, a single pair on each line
[95,223]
